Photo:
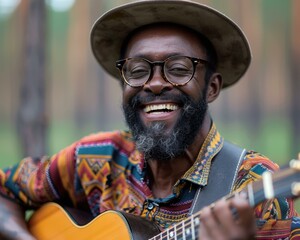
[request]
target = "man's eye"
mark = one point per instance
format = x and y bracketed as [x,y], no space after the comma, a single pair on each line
[179,71]
[139,72]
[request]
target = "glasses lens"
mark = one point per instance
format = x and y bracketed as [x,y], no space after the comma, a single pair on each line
[136,71]
[179,70]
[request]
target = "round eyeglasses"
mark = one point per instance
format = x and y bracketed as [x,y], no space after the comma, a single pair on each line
[178,70]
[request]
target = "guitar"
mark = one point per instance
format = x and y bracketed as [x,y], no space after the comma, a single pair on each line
[52,221]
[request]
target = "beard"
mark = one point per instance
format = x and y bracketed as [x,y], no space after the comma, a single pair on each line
[154,141]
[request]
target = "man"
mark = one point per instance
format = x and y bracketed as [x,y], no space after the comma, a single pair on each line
[173,58]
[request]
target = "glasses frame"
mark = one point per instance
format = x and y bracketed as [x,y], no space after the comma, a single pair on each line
[195,61]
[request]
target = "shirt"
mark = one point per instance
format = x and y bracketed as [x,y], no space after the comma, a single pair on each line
[105,171]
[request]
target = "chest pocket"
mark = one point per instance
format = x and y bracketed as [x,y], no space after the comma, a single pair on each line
[104,183]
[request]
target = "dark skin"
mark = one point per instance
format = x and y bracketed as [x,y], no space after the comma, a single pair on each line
[157,44]
[156,47]
[12,224]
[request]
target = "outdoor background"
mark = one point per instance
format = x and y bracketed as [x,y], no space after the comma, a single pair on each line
[52,91]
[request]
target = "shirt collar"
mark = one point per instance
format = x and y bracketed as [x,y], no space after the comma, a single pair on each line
[199,172]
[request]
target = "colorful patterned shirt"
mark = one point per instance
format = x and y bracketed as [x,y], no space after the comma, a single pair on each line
[105,171]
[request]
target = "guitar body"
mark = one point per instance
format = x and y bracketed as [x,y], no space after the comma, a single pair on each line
[53,222]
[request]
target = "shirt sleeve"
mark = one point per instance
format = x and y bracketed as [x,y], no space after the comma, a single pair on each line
[34,181]
[277,218]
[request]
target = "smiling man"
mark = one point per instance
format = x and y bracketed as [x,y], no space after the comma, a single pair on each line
[163,106]
[172,58]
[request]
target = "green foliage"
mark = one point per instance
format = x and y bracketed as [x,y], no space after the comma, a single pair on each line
[273,139]
[9,147]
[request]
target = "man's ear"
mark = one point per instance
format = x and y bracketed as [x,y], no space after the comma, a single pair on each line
[214,87]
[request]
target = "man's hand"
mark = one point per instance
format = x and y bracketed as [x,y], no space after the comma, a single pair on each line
[12,222]
[228,219]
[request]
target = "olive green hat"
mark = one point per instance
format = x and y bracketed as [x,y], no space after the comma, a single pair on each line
[231,45]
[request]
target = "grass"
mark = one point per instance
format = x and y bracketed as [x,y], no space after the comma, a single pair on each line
[272,139]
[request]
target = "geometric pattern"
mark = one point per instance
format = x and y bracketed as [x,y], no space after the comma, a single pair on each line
[105,171]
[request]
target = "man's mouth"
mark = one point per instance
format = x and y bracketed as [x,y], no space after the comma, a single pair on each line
[160,108]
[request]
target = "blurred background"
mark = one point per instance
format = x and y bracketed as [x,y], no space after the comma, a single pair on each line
[53,92]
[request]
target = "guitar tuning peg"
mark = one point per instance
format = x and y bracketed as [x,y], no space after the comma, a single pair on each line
[295,164]
[296,189]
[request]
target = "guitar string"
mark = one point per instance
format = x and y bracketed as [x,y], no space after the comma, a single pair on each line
[180,230]
[190,221]
[250,194]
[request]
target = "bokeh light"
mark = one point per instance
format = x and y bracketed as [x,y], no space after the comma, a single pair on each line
[7,7]
[60,5]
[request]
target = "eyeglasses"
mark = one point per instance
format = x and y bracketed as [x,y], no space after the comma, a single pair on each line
[178,70]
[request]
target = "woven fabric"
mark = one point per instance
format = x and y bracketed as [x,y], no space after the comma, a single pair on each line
[105,171]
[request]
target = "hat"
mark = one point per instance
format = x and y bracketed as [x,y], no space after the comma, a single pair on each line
[111,29]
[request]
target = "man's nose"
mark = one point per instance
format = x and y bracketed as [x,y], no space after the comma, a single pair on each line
[157,83]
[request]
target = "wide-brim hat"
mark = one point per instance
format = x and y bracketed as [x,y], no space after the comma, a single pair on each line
[111,29]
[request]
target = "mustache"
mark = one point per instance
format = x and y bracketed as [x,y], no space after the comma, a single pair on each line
[152,140]
[138,100]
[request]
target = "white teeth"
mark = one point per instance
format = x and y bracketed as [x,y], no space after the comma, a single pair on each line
[160,107]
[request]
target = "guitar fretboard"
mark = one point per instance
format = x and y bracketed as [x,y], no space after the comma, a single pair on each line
[286,183]
[185,230]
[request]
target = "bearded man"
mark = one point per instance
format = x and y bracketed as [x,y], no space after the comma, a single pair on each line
[172,58]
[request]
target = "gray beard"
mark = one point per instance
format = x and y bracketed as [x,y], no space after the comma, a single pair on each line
[154,142]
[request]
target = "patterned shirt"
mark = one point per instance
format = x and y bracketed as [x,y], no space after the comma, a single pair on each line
[105,171]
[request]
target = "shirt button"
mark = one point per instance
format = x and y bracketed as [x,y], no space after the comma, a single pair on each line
[150,206]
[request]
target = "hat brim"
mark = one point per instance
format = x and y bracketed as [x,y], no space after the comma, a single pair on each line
[231,45]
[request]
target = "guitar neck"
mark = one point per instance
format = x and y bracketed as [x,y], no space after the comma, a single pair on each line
[285,183]
[187,229]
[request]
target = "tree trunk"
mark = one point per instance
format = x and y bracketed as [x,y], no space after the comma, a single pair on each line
[295,80]
[32,121]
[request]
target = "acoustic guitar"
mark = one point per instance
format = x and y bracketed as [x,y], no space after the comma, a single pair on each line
[56,223]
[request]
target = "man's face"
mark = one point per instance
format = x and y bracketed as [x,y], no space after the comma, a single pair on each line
[165,119]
